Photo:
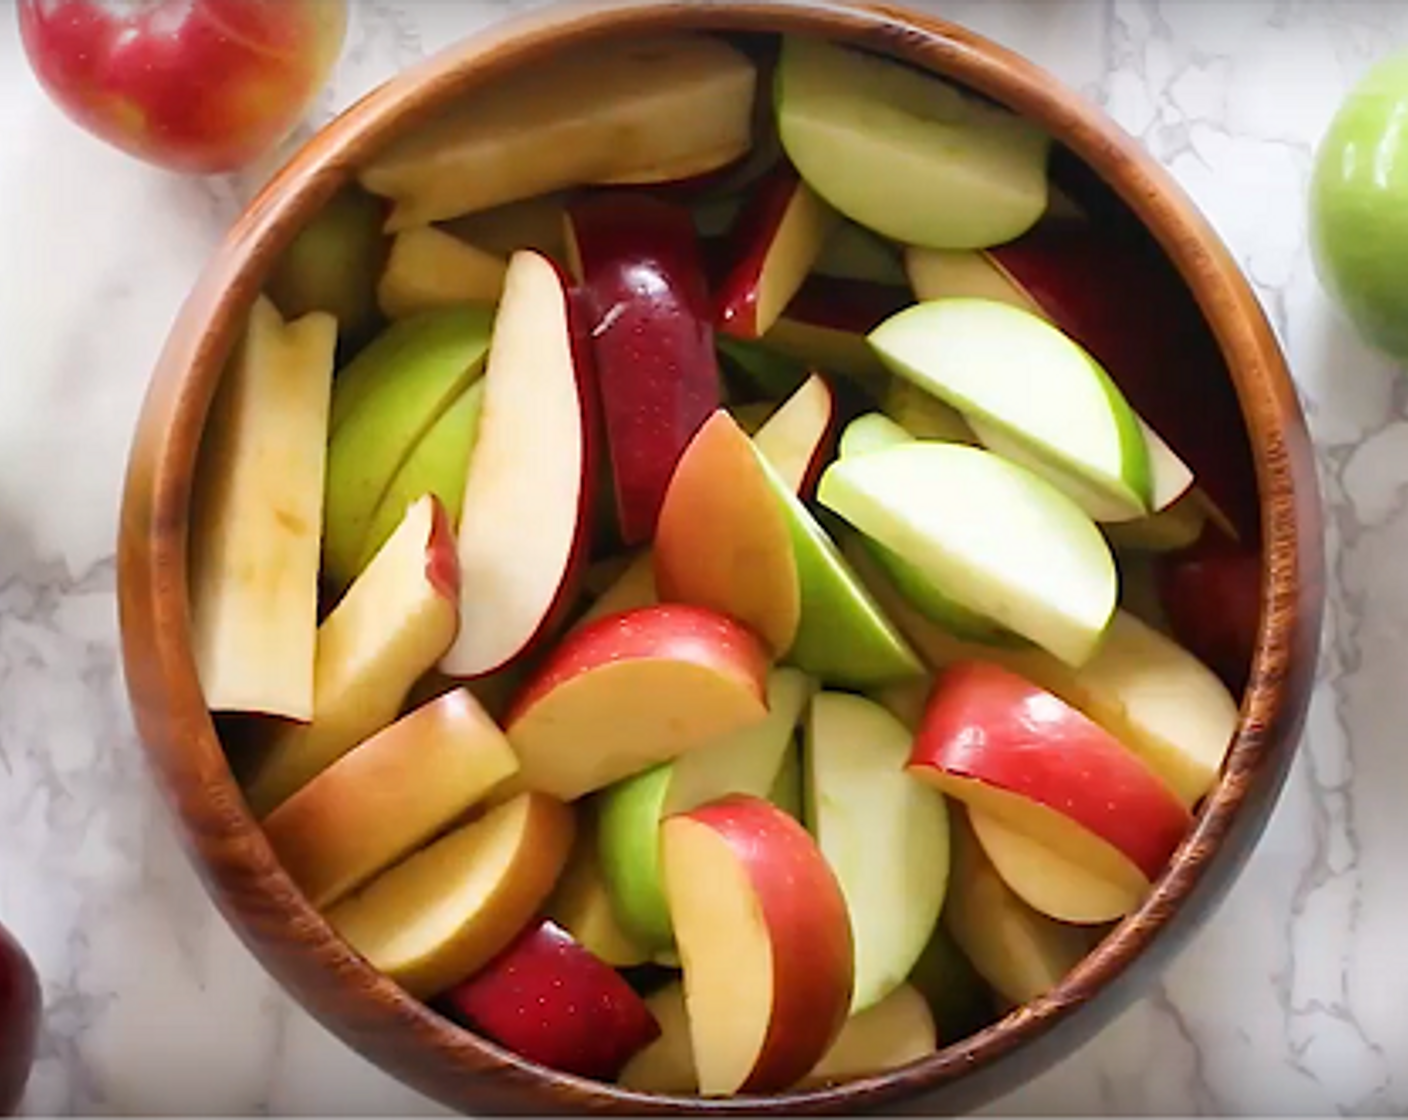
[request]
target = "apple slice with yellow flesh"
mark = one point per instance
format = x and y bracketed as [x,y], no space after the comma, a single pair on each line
[256,533]
[826,325]
[530,223]
[1157,699]
[581,902]
[398,616]
[519,572]
[959,999]
[797,438]
[1021,755]
[631,690]
[667,1064]
[775,241]
[925,416]
[439,916]
[635,109]
[764,941]
[1020,953]
[428,268]
[388,796]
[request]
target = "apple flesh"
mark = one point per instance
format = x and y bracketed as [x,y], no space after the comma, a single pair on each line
[537,223]
[435,919]
[647,312]
[398,616]
[21,1014]
[630,110]
[958,998]
[427,269]
[631,690]
[520,573]
[884,834]
[388,796]
[797,439]
[1021,755]
[259,516]
[774,244]
[925,416]
[582,904]
[890,1034]
[551,1001]
[906,154]
[193,86]
[633,588]
[764,940]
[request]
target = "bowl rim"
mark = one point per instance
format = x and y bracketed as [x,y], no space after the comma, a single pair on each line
[225,843]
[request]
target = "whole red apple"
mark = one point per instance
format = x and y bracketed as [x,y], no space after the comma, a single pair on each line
[20,1004]
[195,86]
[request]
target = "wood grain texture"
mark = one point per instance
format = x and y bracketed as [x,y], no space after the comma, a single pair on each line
[451,1064]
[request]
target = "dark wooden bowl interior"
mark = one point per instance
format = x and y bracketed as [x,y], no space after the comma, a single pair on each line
[1242,370]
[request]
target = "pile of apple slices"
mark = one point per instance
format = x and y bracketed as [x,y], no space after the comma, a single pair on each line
[744,611]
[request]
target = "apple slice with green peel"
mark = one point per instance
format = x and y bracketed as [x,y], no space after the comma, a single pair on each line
[400,393]
[519,573]
[777,238]
[1048,881]
[797,438]
[428,268]
[1017,378]
[439,916]
[885,1036]
[764,941]
[1021,954]
[1042,570]
[906,154]
[531,223]
[388,796]
[258,518]
[581,902]
[958,997]
[647,311]
[636,109]
[398,616]
[1018,753]
[746,761]
[884,834]
[925,416]
[871,432]
[632,690]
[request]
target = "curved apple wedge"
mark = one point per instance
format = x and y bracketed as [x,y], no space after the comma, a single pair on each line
[796,439]
[884,833]
[581,901]
[428,269]
[764,940]
[1023,756]
[632,690]
[892,1033]
[438,917]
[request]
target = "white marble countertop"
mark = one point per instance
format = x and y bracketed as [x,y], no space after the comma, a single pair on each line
[1290,1002]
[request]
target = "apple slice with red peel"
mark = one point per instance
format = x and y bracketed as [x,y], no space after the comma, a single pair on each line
[1016,752]
[519,572]
[647,311]
[631,690]
[764,940]
[1046,880]
[1020,953]
[777,238]
[827,323]
[439,916]
[797,439]
[428,269]
[1211,596]
[550,1000]
[399,615]
[389,795]
[885,1036]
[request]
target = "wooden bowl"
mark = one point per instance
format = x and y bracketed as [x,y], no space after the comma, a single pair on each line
[454,1066]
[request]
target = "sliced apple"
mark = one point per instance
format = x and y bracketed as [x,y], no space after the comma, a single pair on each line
[1211,596]
[438,917]
[852,252]
[827,323]
[958,998]
[632,690]
[797,438]
[647,311]
[1017,753]
[258,496]
[787,788]
[746,761]
[667,1064]
[428,268]
[871,432]
[906,154]
[1176,526]
[1020,953]
[633,588]
[1042,570]
[1022,384]
[885,835]
[925,416]
[398,616]
[773,245]
[764,941]
[531,223]
[519,572]
[388,796]
[890,1034]
[581,902]
[756,371]
[1154,696]
[384,402]
[625,110]
[551,1001]
[1048,881]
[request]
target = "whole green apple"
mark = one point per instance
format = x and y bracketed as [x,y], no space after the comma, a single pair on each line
[1359,206]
